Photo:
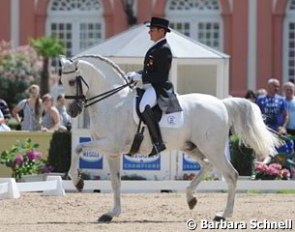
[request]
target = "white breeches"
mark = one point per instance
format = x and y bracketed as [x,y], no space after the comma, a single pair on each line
[149,97]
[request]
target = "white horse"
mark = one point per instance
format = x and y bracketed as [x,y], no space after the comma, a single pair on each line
[207,121]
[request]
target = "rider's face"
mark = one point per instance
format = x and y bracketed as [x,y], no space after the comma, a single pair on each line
[156,33]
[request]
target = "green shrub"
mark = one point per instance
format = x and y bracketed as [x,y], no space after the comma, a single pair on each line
[59,155]
[242,157]
[19,68]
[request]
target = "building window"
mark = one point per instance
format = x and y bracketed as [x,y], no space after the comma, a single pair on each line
[289,42]
[199,19]
[77,23]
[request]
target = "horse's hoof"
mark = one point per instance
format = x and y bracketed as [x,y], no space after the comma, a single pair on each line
[105,218]
[78,149]
[192,203]
[218,219]
[80,185]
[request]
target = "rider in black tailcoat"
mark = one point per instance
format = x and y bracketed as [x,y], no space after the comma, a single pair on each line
[155,75]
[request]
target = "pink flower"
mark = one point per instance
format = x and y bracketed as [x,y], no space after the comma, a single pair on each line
[272,170]
[19,159]
[38,155]
[261,167]
[285,174]
[31,155]
[275,166]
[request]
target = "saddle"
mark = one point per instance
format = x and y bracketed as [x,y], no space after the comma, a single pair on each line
[171,120]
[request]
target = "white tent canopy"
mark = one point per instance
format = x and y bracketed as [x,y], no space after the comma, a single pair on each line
[195,67]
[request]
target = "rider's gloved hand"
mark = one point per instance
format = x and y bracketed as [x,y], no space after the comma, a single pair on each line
[134,76]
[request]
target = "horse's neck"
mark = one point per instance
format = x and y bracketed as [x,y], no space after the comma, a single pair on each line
[111,113]
[107,72]
[113,109]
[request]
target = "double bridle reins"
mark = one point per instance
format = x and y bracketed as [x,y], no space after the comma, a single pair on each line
[92,100]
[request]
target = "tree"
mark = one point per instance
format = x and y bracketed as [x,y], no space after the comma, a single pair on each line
[47,47]
[19,68]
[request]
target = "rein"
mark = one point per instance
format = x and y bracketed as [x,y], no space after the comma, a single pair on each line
[105,95]
[95,99]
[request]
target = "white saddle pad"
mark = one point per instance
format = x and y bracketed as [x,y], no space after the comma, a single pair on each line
[173,120]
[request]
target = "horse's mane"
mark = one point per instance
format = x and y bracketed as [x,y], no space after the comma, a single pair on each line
[106,60]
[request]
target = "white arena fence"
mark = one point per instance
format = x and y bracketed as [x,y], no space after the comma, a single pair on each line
[147,186]
[53,186]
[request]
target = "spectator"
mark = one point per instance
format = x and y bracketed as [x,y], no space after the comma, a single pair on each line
[273,107]
[3,126]
[289,88]
[50,116]
[260,92]
[31,108]
[250,95]
[5,109]
[65,119]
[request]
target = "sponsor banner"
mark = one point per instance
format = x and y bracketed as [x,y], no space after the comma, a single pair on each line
[90,159]
[189,164]
[141,162]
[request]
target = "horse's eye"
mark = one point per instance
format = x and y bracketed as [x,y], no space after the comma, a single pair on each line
[72,82]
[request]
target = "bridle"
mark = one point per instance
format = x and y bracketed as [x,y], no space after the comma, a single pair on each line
[79,80]
[79,90]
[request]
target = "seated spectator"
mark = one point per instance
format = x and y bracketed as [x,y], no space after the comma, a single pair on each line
[50,116]
[5,109]
[31,108]
[273,107]
[65,119]
[289,88]
[3,126]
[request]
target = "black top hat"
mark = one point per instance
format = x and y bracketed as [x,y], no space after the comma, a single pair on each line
[159,22]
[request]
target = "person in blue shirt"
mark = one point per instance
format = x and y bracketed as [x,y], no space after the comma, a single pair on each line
[289,89]
[273,107]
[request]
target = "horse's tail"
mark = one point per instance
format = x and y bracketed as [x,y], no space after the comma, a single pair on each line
[246,120]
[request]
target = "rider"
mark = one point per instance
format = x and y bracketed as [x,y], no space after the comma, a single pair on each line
[158,89]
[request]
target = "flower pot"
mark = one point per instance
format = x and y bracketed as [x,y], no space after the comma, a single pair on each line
[39,177]
[33,178]
[260,176]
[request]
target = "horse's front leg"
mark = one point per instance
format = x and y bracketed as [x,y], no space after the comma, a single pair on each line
[114,165]
[73,172]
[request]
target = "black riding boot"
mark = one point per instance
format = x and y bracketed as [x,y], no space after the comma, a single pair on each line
[154,129]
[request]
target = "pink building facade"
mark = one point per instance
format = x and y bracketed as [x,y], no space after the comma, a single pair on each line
[259,35]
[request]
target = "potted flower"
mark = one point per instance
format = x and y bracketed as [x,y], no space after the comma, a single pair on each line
[23,159]
[273,171]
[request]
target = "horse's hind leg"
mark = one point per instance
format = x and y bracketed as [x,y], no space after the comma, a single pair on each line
[230,175]
[206,166]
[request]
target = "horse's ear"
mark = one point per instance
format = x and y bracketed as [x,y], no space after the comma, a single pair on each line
[75,63]
[62,59]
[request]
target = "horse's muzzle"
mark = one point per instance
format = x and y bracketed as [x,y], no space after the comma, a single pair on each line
[75,108]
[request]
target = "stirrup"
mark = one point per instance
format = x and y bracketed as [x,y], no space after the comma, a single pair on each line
[157,148]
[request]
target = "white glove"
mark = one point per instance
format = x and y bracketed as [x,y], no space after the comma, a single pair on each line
[134,76]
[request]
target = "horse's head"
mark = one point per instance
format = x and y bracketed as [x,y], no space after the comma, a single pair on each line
[75,86]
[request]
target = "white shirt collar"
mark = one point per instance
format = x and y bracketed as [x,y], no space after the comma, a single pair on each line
[158,41]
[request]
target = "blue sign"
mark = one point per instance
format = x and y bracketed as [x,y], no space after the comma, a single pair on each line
[188,164]
[141,162]
[90,159]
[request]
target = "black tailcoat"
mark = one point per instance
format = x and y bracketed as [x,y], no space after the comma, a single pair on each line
[157,64]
